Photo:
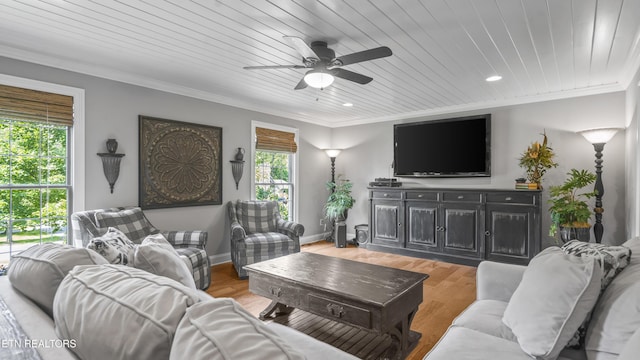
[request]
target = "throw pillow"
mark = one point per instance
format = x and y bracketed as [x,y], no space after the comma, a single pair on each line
[257,216]
[157,256]
[38,271]
[612,260]
[113,246]
[555,295]
[209,330]
[119,312]
[131,222]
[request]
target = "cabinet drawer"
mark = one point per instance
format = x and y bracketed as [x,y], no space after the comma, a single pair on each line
[462,197]
[332,309]
[511,198]
[422,195]
[381,194]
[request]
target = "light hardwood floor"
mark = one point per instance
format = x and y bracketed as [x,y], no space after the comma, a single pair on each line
[449,289]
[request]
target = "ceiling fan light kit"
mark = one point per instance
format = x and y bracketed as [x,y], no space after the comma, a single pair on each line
[318,79]
[324,65]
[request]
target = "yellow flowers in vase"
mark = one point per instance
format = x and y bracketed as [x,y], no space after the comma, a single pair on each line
[537,159]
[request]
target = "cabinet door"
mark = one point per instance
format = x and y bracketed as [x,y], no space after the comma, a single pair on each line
[422,220]
[461,229]
[511,233]
[386,218]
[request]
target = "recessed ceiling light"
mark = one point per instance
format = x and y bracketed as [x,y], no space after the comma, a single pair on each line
[493,78]
[347,104]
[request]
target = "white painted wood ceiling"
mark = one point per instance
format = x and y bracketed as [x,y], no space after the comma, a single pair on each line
[442,50]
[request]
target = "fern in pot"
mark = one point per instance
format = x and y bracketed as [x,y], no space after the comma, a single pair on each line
[340,199]
[569,210]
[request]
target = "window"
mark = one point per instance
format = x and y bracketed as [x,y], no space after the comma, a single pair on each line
[35,166]
[274,160]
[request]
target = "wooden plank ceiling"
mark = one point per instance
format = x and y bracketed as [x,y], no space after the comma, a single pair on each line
[442,50]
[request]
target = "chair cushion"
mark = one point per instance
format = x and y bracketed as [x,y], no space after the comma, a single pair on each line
[114,246]
[546,309]
[119,312]
[268,245]
[486,316]
[157,256]
[210,330]
[257,216]
[131,222]
[38,271]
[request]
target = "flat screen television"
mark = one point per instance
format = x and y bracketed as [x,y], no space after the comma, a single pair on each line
[457,147]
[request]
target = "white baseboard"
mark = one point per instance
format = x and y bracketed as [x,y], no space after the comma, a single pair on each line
[220,259]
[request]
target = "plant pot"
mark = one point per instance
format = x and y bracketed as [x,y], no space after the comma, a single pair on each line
[573,233]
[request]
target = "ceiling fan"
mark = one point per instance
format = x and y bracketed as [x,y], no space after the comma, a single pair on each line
[325,65]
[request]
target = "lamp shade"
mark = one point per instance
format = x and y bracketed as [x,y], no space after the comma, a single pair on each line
[599,136]
[332,152]
[318,79]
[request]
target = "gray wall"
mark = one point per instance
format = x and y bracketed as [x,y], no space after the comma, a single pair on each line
[112,110]
[369,152]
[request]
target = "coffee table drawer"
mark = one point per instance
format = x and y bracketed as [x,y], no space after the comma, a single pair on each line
[281,292]
[332,309]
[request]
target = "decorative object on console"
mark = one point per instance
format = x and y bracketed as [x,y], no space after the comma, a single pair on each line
[598,137]
[111,162]
[180,163]
[237,166]
[569,210]
[537,159]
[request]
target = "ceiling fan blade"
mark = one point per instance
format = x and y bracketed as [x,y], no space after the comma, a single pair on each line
[274,67]
[357,57]
[351,76]
[301,85]
[302,47]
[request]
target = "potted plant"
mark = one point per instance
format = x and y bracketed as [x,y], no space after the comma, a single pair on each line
[537,159]
[340,199]
[569,210]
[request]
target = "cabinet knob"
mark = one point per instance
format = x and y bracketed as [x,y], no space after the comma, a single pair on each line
[420,196]
[487,233]
[460,197]
[508,198]
[385,195]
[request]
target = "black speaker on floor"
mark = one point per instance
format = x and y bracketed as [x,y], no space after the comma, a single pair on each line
[340,235]
[362,234]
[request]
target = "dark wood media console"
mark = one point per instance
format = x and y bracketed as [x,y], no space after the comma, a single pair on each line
[462,226]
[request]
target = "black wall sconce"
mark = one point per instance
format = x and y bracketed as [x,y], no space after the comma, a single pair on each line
[111,162]
[237,166]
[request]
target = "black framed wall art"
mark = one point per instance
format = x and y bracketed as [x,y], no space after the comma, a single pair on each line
[180,163]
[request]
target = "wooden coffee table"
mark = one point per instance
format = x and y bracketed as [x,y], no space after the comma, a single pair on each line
[378,299]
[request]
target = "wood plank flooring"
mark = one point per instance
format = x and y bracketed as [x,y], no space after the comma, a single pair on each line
[449,289]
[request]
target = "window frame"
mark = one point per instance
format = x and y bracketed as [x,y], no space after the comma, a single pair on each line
[75,139]
[294,179]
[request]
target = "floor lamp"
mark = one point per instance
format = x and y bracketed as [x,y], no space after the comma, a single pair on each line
[598,137]
[332,154]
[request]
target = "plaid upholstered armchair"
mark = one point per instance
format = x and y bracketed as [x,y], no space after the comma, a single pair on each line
[87,225]
[258,233]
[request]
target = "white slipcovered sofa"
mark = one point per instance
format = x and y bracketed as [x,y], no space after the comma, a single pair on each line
[480,332]
[60,302]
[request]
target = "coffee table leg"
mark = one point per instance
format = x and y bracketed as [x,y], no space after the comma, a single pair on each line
[406,338]
[275,307]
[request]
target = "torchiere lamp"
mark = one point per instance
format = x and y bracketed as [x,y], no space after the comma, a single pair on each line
[333,153]
[598,137]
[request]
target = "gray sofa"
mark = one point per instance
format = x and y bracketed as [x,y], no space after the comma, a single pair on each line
[104,311]
[613,331]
